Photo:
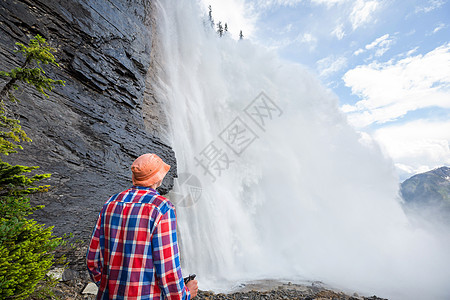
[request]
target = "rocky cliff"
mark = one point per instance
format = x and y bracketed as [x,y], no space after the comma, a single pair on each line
[88,132]
[432,187]
[428,194]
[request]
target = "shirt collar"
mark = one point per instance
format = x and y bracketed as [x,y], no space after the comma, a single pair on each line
[144,188]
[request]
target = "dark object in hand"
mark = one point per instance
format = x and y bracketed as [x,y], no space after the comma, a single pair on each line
[189,278]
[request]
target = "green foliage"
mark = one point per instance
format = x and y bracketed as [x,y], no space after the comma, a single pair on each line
[37,53]
[44,288]
[14,186]
[38,50]
[33,76]
[25,257]
[26,247]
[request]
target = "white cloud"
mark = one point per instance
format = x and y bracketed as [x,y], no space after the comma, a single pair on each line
[411,32]
[308,38]
[363,12]
[267,4]
[290,3]
[412,51]
[339,32]
[287,28]
[416,146]
[378,41]
[432,5]
[381,45]
[276,44]
[390,90]
[359,51]
[330,65]
[328,3]
[439,27]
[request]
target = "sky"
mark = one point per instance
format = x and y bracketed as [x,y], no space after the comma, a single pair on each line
[387,61]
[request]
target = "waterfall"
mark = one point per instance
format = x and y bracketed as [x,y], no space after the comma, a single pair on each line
[274,183]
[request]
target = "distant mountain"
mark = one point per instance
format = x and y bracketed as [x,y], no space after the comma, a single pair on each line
[428,191]
[432,186]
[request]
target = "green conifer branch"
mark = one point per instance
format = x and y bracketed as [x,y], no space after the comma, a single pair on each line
[26,248]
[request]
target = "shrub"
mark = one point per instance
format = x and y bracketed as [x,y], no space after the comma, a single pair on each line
[26,247]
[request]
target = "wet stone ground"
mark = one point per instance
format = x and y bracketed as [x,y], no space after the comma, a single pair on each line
[283,294]
[75,284]
[73,289]
[78,288]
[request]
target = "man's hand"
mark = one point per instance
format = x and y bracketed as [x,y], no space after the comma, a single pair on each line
[192,285]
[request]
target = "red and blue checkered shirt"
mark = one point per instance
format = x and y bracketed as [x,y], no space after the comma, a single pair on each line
[133,253]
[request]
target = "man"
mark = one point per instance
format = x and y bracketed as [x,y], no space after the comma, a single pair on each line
[133,253]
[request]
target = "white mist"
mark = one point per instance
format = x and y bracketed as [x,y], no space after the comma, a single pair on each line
[308,199]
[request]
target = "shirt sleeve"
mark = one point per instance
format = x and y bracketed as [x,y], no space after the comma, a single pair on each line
[94,255]
[166,258]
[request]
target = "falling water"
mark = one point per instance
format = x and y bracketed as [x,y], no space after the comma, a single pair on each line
[288,189]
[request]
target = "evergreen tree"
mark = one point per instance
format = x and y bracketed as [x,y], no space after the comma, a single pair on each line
[211,20]
[25,246]
[225,27]
[38,52]
[241,36]
[220,29]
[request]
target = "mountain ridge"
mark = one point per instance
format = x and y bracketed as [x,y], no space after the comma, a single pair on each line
[427,195]
[433,185]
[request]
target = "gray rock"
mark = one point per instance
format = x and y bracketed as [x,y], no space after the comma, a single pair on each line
[89,131]
[56,273]
[90,289]
[69,274]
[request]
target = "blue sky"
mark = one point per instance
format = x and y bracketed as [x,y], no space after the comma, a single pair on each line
[388,62]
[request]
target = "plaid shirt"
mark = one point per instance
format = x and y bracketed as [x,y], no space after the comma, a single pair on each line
[133,253]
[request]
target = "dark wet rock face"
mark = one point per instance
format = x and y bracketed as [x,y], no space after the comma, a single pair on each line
[87,133]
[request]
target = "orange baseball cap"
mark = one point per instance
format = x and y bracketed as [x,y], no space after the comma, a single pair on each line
[148,169]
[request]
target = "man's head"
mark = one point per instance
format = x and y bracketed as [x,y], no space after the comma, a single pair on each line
[149,170]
